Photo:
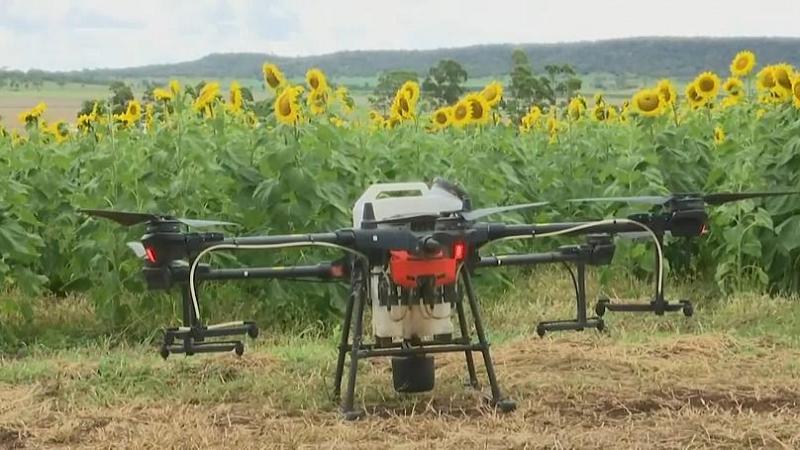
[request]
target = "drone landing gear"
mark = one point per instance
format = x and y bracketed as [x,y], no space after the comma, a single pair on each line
[581,322]
[193,334]
[415,356]
[659,305]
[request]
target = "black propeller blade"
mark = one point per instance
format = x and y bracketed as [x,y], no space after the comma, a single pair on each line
[716,198]
[128,219]
[483,212]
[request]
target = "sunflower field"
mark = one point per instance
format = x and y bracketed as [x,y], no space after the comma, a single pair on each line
[297,161]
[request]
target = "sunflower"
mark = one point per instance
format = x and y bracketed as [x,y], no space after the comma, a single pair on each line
[402,108]
[734,87]
[286,107]
[316,80]
[84,122]
[132,113]
[479,111]
[666,90]
[576,108]
[743,63]
[149,113]
[162,94]
[719,135]
[783,74]
[410,89]
[462,112]
[599,99]
[343,96]
[58,130]
[33,114]
[707,85]
[648,103]
[377,119]
[796,91]
[693,97]
[235,101]
[765,80]
[317,101]
[493,93]
[273,77]
[600,113]
[531,119]
[552,126]
[174,87]
[442,117]
[206,97]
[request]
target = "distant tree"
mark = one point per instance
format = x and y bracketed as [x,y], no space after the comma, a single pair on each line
[443,83]
[526,88]
[88,106]
[563,80]
[121,94]
[388,84]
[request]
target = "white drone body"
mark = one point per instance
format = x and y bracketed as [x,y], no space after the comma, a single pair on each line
[416,320]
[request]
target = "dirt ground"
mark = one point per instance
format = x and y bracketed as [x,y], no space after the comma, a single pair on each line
[573,391]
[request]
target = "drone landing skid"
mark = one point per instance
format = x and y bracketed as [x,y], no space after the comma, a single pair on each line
[581,322]
[357,349]
[193,334]
[659,307]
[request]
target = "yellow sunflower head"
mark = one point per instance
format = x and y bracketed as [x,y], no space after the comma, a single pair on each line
[743,63]
[719,135]
[666,90]
[693,97]
[317,101]
[174,87]
[576,108]
[480,109]
[765,80]
[552,124]
[402,107]
[377,120]
[707,85]
[734,87]
[33,114]
[783,74]
[462,113]
[273,77]
[134,111]
[316,79]
[648,103]
[287,107]
[796,91]
[206,97]
[599,99]
[442,117]
[236,100]
[493,93]
[410,89]
[163,95]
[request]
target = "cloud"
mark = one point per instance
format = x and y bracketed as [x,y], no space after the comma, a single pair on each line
[61,34]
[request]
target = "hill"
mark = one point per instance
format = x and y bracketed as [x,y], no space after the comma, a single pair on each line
[643,56]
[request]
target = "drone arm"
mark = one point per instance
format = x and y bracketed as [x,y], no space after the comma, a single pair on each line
[323,271]
[527,259]
[495,231]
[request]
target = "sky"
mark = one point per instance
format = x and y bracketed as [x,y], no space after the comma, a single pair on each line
[78,34]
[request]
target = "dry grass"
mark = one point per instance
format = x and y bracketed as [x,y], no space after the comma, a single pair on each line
[709,391]
[728,378]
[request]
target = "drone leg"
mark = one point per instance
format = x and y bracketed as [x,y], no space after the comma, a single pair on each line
[350,413]
[348,320]
[462,322]
[503,404]
[189,317]
[581,321]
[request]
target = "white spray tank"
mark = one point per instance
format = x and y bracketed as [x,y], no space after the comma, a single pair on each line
[415,320]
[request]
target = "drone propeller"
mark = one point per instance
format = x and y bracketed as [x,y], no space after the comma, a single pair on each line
[466,215]
[716,198]
[128,219]
[483,212]
[137,248]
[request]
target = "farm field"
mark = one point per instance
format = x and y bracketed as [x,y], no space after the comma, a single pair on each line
[727,378]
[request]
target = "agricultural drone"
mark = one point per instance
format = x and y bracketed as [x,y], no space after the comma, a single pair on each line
[411,260]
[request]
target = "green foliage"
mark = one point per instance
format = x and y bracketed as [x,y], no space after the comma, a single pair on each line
[443,83]
[275,179]
[526,88]
[121,94]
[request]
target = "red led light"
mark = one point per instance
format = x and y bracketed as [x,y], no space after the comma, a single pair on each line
[459,249]
[150,254]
